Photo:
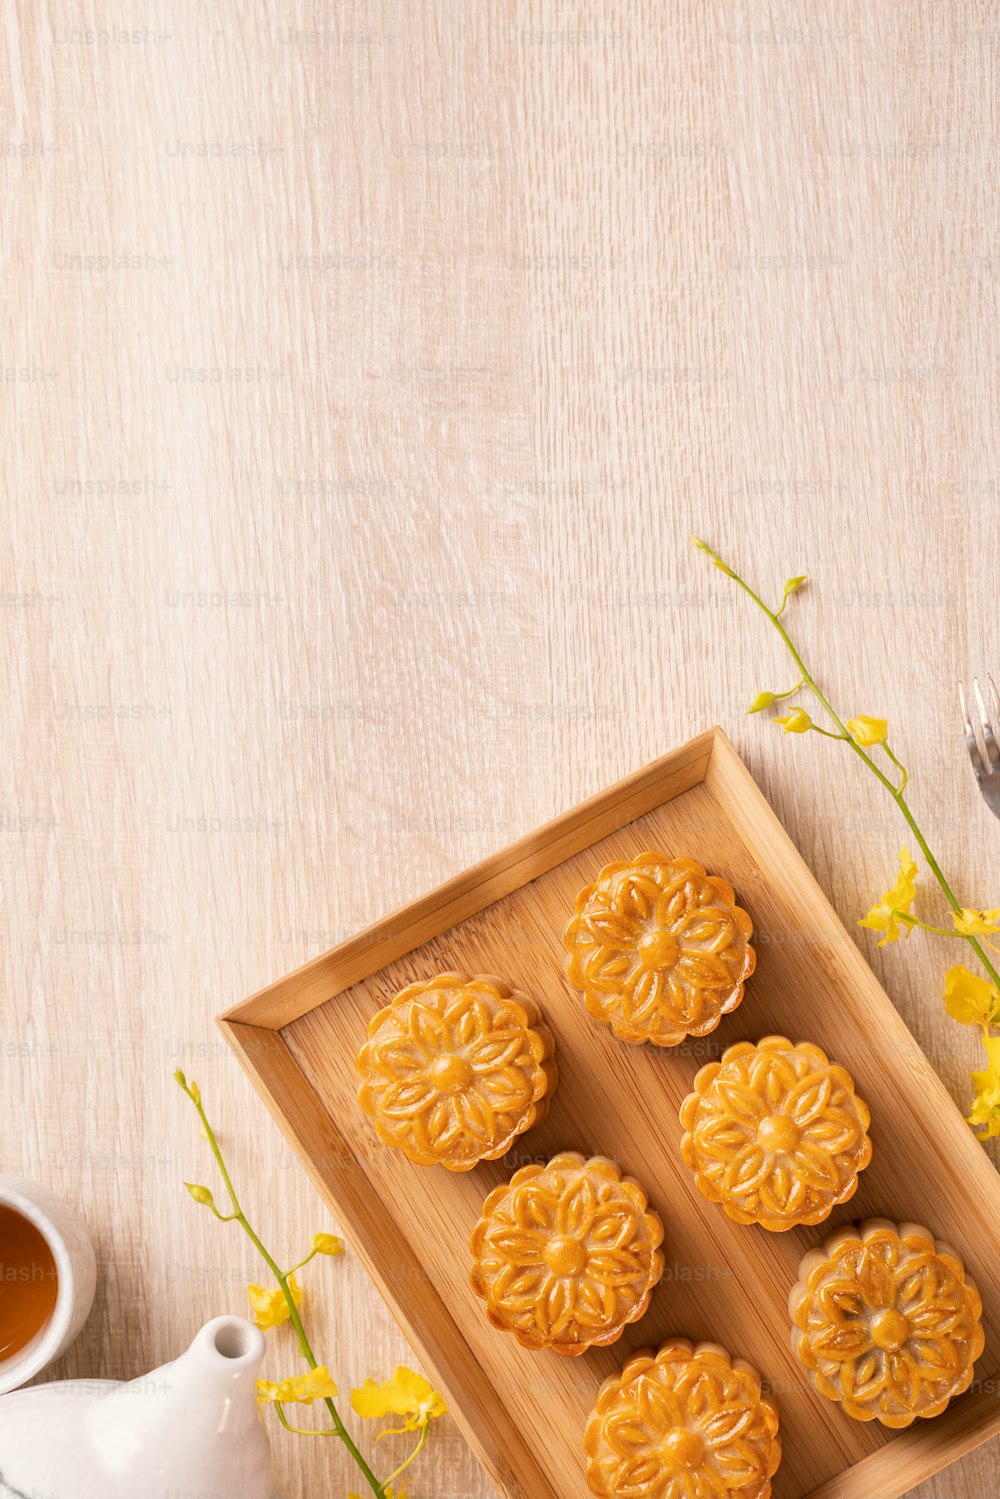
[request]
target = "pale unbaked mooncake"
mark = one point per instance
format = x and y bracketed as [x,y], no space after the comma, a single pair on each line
[775,1133]
[886,1322]
[685,1423]
[659,949]
[566,1255]
[454,1069]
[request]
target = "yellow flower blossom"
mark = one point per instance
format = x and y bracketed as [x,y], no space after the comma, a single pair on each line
[270,1309]
[867,731]
[884,915]
[796,721]
[327,1244]
[969,999]
[302,1389]
[406,1394]
[986,1105]
[970,923]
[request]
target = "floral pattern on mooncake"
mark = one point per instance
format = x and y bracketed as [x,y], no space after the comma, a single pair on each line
[454,1069]
[886,1322]
[685,1423]
[775,1133]
[566,1255]
[659,949]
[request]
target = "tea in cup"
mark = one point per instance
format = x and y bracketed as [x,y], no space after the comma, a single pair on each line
[48,1274]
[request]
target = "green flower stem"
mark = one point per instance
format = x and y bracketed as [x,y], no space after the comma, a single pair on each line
[925,926]
[302,1431]
[412,1457]
[896,792]
[904,774]
[240,1217]
[940,931]
[827,733]
[303,1263]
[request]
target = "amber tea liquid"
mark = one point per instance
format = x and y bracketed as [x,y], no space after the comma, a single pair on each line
[29,1282]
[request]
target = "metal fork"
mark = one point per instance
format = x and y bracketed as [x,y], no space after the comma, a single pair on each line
[983,749]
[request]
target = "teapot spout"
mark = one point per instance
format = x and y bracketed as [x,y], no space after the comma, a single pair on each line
[233,1339]
[191,1426]
[222,1363]
[209,1392]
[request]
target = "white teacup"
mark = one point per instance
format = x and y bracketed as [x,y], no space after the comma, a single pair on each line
[76,1269]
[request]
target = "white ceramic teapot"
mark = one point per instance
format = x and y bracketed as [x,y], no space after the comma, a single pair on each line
[190,1427]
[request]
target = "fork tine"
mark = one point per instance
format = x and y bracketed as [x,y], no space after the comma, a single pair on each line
[970,738]
[989,738]
[995,695]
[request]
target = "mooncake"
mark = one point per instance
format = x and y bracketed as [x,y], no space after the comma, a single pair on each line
[454,1069]
[566,1255]
[775,1133]
[886,1322]
[659,949]
[685,1423]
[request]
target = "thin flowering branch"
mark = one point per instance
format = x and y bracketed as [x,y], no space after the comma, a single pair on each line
[282,1278]
[407,1394]
[895,791]
[969,999]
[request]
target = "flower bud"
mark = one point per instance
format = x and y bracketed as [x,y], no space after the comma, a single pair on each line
[201,1194]
[762,700]
[796,722]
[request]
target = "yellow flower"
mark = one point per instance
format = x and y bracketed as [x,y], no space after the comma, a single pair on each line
[986,1111]
[884,916]
[406,1394]
[986,1105]
[270,1309]
[327,1244]
[970,923]
[968,999]
[867,731]
[797,721]
[303,1389]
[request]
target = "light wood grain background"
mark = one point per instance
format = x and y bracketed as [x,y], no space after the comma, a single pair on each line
[346,512]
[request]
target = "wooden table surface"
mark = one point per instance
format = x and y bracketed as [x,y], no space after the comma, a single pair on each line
[365,369]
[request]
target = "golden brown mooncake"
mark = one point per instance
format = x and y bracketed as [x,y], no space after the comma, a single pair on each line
[454,1069]
[659,949]
[886,1322]
[566,1255]
[775,1133]
[685,1423]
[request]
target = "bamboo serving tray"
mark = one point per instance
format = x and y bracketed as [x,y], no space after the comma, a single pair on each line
[524,1413]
